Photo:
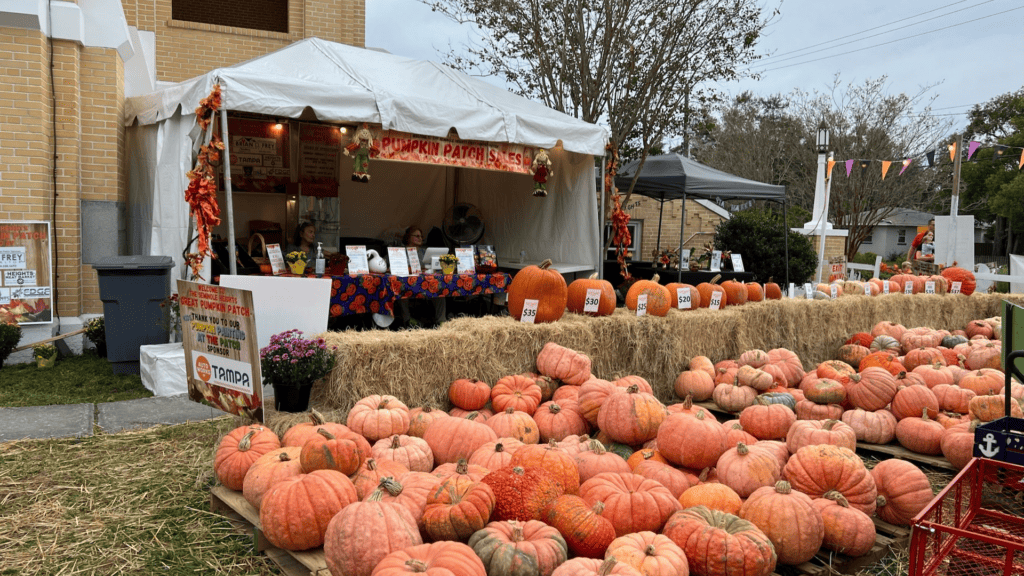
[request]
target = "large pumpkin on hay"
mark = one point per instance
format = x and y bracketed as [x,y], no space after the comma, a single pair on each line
[676,289]
[772,291]
[540,283]
[735,291]
[712,288]
[577,296]
[965,277]
[658,298]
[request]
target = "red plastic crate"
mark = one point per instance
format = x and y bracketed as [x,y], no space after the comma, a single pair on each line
[975,526]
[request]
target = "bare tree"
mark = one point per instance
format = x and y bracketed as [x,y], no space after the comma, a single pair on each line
[636,65]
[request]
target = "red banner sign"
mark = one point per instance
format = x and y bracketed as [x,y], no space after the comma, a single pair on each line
[405,147]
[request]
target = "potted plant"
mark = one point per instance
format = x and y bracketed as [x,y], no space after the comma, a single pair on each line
[448,262]
[45,355]
[96,332]
[296,261]
[10,335]
[291,364]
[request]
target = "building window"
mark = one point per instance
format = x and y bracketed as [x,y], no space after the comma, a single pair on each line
[868,239]
[636,228]
[901,236]
[269,15]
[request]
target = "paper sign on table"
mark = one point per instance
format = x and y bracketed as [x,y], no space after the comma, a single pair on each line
[684,259]
[399,261]
[683,300]
[885,286]
[593,300]
[834,289]
[529,311]
[467,262]
[276,258]
[808,291]
[954,287]
[737,263]
[929,287]
[414,261]
[716,260]
[716,300]
[792,290]
[357,263]
[908,288]
[641,305]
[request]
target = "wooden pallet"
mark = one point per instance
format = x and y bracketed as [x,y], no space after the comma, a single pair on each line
[243,516]
[863,448]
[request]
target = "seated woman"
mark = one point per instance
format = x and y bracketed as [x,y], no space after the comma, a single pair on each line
[927,251]
[429,316]
[304,240]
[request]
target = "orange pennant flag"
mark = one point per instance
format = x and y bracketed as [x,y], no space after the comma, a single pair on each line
[1021,160]
[831,163]
[952,151]
[885,167]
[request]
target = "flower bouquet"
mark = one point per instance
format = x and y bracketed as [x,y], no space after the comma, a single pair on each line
[45,355]
[96,332]
[296,261]
[449,262]
[292,364]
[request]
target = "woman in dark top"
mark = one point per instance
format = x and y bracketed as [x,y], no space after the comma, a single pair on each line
[304,239]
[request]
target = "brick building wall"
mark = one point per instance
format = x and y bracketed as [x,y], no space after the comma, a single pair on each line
[700,225]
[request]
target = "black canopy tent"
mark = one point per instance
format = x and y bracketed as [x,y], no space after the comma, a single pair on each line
[674,176]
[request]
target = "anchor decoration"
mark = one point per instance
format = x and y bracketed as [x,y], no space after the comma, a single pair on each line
[988,446]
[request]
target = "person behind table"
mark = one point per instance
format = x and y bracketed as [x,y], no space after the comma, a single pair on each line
[413,238]
[915,245]
[927,251]
[305,241]
[436,313]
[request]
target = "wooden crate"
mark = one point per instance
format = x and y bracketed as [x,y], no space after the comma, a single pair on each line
[247,519]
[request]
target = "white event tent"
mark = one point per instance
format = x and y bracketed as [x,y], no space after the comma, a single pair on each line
[343,85]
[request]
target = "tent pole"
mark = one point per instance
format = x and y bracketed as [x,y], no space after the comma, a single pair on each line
[682,227]
[661,211]
[232,268]
[785,229]
[601,254]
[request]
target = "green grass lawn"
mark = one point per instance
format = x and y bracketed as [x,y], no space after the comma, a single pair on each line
[72,380]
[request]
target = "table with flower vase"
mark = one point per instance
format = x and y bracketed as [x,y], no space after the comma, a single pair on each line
[377,293]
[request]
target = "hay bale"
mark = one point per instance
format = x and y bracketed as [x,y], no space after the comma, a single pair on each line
[418,365]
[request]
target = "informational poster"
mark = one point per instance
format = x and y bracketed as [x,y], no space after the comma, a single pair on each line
[319,147]
[398,258]
[684,259]
[737,262]
[259,154]
[222,355]
[26,277]
[414,261]
[276,259]
[716,261]
[357,262]
[467,263]
[836,268]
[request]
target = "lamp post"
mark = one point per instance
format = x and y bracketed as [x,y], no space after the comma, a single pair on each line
[824,184]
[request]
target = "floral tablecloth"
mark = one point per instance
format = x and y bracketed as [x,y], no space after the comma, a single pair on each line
[377,293]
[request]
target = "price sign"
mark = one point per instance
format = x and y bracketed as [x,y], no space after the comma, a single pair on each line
[276,258]
[716,260]
[908,287]
[683,298]
[357,263]
[792,290]
[808,291]
[716,301]
[467,263]
[399,261]
[414,261]
[954,287]
[737,263]
[641,305]
[929,287]
[529,311]
[834,289]
[885,286]
[684,259]
[593,300]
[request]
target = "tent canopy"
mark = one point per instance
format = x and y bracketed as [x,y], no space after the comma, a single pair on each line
[673,176]
[345,84]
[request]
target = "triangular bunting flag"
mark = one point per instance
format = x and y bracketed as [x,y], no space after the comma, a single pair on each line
[831,164]
[972,148]
[931,158]
[849,166]
[885,167]
[864,166]
[952,151]
[906,164]
[1021,160]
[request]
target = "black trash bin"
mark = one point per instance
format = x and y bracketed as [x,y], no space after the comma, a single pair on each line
[133,289]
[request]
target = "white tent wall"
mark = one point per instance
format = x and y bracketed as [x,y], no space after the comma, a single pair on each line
[398,195]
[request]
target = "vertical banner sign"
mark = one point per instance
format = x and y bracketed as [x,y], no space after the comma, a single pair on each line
[319,147]
[222,355]
[26,277]
[836,268]
[259,156]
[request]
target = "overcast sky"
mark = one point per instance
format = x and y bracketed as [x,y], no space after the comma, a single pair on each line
[974,57]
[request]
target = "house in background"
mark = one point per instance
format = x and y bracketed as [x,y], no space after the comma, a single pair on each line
[896,231]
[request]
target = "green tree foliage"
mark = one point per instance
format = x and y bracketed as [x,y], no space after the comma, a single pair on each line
[758,235]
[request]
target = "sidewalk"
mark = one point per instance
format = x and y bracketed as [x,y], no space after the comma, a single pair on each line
[77,420]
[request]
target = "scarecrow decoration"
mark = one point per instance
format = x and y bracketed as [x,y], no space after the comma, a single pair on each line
[360,149]
[541,170]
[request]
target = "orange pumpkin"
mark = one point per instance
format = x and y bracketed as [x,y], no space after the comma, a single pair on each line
[697,384]
[586,532]
[965,277]
[789,519]
[469,393]
[630,416]
[296,511]
[497,454]
[847,530]
[238,450]
[772,291]
[327,452]
[299,433]
[513,423]
[720,544]
[540,283]
[675,290]
[814,470]
[349,547]
[521,493]
[922,434]
[651,554]
[755,293]
[873,427]
[517,392]
[659,301]
[268,470]
[453,558]
[563,364]
[457,508]
[735,292]
[632,503]
[379,416]
[709,289]
[577,296]
[957,444]
[559,419]
[368,477]
[903,491]
[692,441]
[507,547]
[453,438]
[412,452]
[420,418]
[592,462]
[747,468]
[553,460]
